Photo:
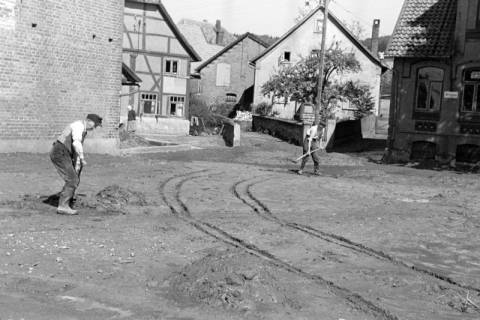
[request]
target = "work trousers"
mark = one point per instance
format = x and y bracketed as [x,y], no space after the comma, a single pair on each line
[131,125]
[64,163]
[314,146]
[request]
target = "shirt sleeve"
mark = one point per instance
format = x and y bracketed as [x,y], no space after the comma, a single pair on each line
[77,135]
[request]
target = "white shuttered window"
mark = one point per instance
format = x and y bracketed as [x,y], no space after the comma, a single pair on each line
[223,75]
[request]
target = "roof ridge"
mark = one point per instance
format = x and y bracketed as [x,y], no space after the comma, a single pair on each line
[332,18]
[230,46]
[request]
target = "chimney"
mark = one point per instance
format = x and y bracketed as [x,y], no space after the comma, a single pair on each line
[218,33]
[375,35]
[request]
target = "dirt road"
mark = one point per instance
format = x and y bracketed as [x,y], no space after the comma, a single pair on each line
[236,234]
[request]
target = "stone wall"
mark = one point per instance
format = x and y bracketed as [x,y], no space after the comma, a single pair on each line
[288,130]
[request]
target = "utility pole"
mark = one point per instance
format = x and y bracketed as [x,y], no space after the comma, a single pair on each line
[321,67]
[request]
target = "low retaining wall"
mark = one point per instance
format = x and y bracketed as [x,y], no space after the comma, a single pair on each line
[160,125]
[287,130]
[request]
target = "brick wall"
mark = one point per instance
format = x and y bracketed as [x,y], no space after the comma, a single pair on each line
[58,62]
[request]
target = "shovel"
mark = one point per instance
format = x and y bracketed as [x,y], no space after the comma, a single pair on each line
[305,155]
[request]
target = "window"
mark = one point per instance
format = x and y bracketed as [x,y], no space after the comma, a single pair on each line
[429,89]
[471,91]
[315,53]
[176,106]
[285,58]
[318,26]
[171,66]
[148,103]
[231,97]
[223,75]
[477,22]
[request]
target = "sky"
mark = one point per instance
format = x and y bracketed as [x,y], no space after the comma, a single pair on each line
[275,17]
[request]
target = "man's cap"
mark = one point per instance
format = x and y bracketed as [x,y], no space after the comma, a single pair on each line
[95,118]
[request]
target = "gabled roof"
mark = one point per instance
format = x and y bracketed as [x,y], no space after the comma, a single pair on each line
[194,35]
[337,23]
[209,31]
[168,19]
[129,78]
[424,29]
[230,46]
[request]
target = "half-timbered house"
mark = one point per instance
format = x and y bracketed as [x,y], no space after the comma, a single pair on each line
[155,49]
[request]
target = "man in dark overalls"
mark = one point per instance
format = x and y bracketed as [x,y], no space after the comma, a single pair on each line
[68,158]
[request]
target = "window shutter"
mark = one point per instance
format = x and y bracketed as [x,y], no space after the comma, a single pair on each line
[223,75]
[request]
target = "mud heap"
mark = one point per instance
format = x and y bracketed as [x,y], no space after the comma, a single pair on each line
[116,198]
[233,279]
[112,199]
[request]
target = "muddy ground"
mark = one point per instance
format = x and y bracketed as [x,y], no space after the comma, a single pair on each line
[226,233]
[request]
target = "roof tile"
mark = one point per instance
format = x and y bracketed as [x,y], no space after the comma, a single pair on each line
[425,28]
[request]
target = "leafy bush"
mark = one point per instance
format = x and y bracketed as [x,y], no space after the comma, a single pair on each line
[224,109]
[200,109]
[357,94]
[263,109]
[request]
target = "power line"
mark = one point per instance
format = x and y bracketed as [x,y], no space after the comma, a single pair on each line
[359,19]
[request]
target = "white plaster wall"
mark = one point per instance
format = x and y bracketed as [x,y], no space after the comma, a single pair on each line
[300,43]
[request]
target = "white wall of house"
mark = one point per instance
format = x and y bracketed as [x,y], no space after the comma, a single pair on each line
[300,44]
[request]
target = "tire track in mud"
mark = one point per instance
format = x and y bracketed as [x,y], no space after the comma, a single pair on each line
[262,210]
[171,195]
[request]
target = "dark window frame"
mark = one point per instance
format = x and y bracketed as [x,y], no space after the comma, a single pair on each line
[477,22]
[148,96]
[428,113]
[476,92]
[175,100]
[172,65]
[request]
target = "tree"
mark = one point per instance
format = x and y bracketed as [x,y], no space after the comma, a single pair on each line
[299,82]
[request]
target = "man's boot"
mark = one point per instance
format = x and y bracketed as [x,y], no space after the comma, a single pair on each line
[64,202]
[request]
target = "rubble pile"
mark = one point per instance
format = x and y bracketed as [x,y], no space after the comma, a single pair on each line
[233,279]
[243,116]
[115,198]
